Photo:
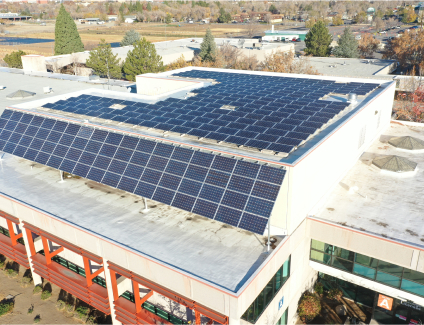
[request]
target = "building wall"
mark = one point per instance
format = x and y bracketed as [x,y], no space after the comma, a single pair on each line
[313,177]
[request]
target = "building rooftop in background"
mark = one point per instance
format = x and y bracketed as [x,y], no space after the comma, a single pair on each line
[356,68]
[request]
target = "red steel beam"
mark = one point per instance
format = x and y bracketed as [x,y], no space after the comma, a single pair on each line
[12,234]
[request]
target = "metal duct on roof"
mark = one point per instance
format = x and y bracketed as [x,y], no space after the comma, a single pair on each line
[395,164]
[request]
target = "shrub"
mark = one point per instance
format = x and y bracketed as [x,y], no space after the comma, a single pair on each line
[319,288]
[60,304]
[11,273]
[45,295]
[69,308]
[37,319]
[2,265]
[37,289]
[25,281]
[14,59]
[309,307]
[91,320]
[335,294]
[6,307]
[31,309]
[82,312]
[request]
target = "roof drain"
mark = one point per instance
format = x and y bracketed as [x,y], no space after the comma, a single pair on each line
[269,236]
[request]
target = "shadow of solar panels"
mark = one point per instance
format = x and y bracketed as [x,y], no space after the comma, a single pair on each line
[239,193]
[289,109]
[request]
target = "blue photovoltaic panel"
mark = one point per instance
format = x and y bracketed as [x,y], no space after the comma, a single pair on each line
[265,107]
[239,193]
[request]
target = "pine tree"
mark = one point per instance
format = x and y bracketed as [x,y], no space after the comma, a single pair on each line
[149,7]
[347,45]
[66,40]
[224,17]
[130,38]
[273,9]
[318,40]
[208,47]
[142,59]
[103,62]
[14,59]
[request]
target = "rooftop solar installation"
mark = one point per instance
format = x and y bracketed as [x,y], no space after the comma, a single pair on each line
[255,111]
[235,192]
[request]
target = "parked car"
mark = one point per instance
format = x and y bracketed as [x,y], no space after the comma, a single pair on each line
[383,32]
[398,27]
[298,40]
[358,37]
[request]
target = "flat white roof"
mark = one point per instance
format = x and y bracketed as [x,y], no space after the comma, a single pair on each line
[212,251]
[384,203]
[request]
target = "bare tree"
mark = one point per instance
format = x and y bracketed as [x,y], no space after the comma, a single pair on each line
[230,55]
[252,28]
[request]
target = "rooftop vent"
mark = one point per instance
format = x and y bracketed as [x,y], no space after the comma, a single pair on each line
[20,94]
[117,106]
[228,107]
[394,164]
[407,143]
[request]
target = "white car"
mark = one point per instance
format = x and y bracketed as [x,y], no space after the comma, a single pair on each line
[398,27]
[383,32]
[358,37]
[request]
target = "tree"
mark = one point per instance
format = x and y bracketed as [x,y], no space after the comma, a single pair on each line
[379,23]
[252,29]
[104,62]
[337,20]
[149,7]
[224,17]
[318,40]
[67,39]
[409,103]
[409,15]
[208,47]
[178,64]
[14,59]
[168,19]
[367,45]
[142,59]
[361,17]
[273,9]
[408,49]
[286,62]
[347,45]
[130,38]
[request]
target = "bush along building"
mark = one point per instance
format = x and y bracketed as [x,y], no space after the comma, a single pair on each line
[213,196]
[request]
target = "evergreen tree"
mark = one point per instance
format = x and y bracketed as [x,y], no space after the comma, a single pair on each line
[347,45]
[318,40]
[14,59]
[149,7]
[103,62]
[130,38]
[168,18]
[273,9]
[142,59]
[66,39]
[224,17]
[208,47]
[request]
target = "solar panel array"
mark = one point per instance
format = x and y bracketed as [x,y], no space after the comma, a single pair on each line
[272,113]
[236,192]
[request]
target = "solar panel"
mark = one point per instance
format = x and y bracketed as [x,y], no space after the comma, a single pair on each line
[262,105]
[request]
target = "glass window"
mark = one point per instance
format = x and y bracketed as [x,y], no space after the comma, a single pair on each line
[413,287]
[342,264]
[365,296]
[260,306]
[320,257]
[389,279]
[413,275]
[323,247]
[283,319]
[278,279]
[269,292]
[343,253]
[286,269]
[364,271]
[366,260]
[390,268]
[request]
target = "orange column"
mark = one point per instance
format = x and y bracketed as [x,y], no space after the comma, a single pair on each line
[137,301]
[47,252]
[197,316]
[88,275]
[12,235]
